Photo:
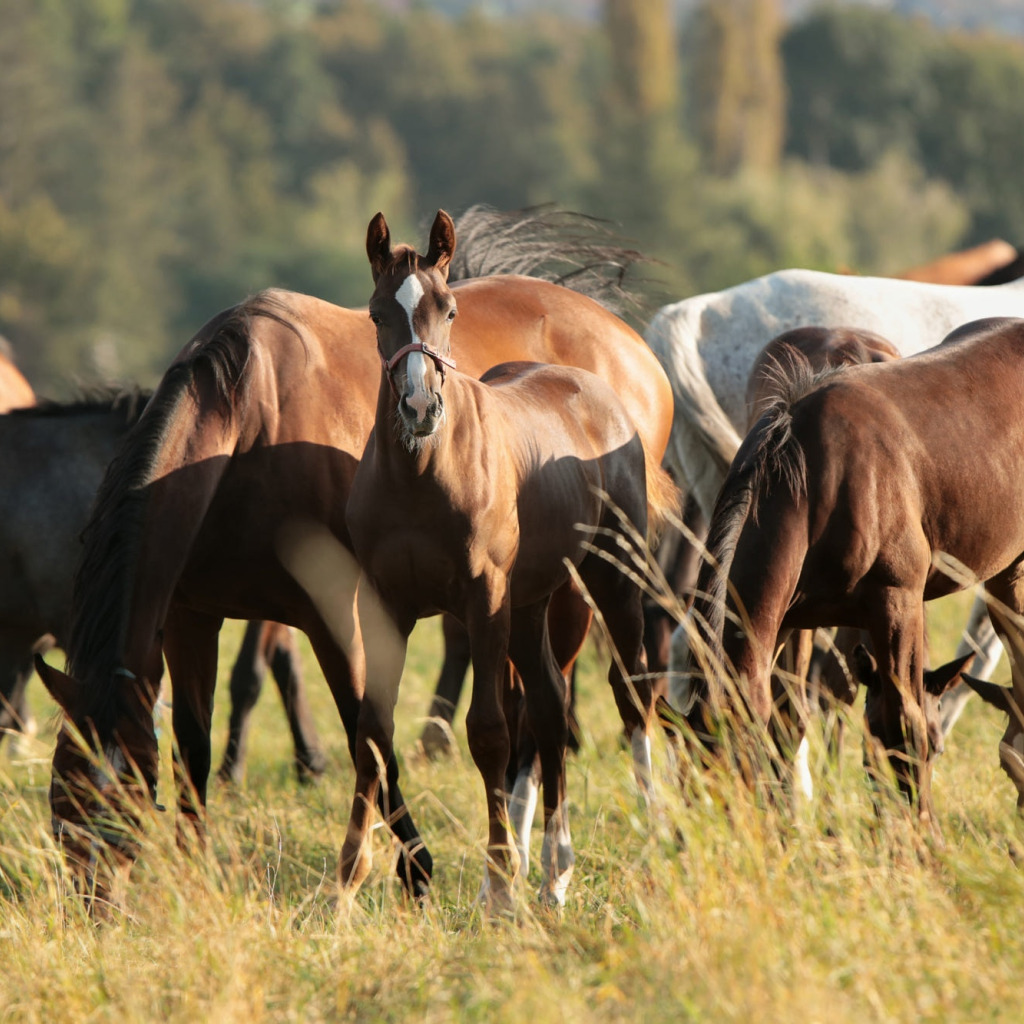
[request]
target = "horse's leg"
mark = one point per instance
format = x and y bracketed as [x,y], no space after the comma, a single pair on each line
[522,777]
[1008,590]
[415,864]
[546,703]
[679,557]
[281,651]
[487,732]
[980,637]
[190,647]
[374,751]
[897,632]
[436,738]
[246,684]
[16,669]
[618,599]
[569,618]
[789,719]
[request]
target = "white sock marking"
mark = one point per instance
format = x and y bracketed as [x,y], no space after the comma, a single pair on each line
[522,808]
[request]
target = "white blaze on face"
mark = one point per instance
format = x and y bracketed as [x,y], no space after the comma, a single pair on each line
[418,397]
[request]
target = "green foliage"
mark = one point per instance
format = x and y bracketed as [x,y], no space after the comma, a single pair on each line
[161,159]
[736,84]
[864,84]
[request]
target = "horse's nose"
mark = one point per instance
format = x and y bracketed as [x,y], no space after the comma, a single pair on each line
[421,417]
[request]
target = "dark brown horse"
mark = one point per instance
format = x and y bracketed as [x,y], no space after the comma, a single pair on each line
[259,424]
[851,506]
[52,459]
[482,499]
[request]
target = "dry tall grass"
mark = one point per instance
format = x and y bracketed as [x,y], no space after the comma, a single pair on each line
[693,913]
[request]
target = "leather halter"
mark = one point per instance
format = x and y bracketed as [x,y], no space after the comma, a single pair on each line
[440,361]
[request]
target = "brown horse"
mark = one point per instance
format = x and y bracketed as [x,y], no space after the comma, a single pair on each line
[984,264]
[848,505]
[258,424]
[482,499]
[15,391]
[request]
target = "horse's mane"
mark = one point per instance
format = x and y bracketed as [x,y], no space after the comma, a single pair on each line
[129,402]
[222,352]
[567,248]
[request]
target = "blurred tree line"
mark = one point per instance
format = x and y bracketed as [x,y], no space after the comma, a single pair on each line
[161,159]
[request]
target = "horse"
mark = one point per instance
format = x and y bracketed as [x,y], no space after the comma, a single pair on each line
[258,425]
[852,505]
[483,498]
[822,668]
[985,264]
[15,391]
[708,343]
[52,458]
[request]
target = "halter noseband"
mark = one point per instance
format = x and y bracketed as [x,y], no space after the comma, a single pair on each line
[440,361]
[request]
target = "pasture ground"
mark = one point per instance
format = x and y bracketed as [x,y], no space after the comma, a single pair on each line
[691,915]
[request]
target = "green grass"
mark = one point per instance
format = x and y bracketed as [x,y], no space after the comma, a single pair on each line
[699,912]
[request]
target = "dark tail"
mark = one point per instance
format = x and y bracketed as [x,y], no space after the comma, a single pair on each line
[769,456]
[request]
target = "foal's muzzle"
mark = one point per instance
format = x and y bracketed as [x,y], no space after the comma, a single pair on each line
[422,424]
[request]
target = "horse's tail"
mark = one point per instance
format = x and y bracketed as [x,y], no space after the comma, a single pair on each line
[664,499]
[703,441]
[561,246]
[770,456]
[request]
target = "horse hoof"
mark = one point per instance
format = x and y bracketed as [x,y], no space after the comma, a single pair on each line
[415,870]
[437,740]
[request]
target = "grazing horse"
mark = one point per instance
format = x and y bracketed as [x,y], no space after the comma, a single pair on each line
[848,506]
[483,498]
[258,424]
[708,345]
[52,459]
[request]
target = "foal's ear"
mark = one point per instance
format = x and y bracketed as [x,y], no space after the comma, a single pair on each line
[1000,697]
[865,668]
[938,681]
[442,243]
[63,688]
[378,245]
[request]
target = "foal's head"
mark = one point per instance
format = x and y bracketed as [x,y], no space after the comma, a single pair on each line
[100,784]
[413,308]
[936,683]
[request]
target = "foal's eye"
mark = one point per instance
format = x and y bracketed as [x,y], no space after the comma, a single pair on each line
[451,314]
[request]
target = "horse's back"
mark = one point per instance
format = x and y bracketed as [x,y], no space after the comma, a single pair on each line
[933,444]
[727,329]
[809,350]
[578,410]
[510,318]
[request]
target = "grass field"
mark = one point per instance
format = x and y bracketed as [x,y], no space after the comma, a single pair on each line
[686,914]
